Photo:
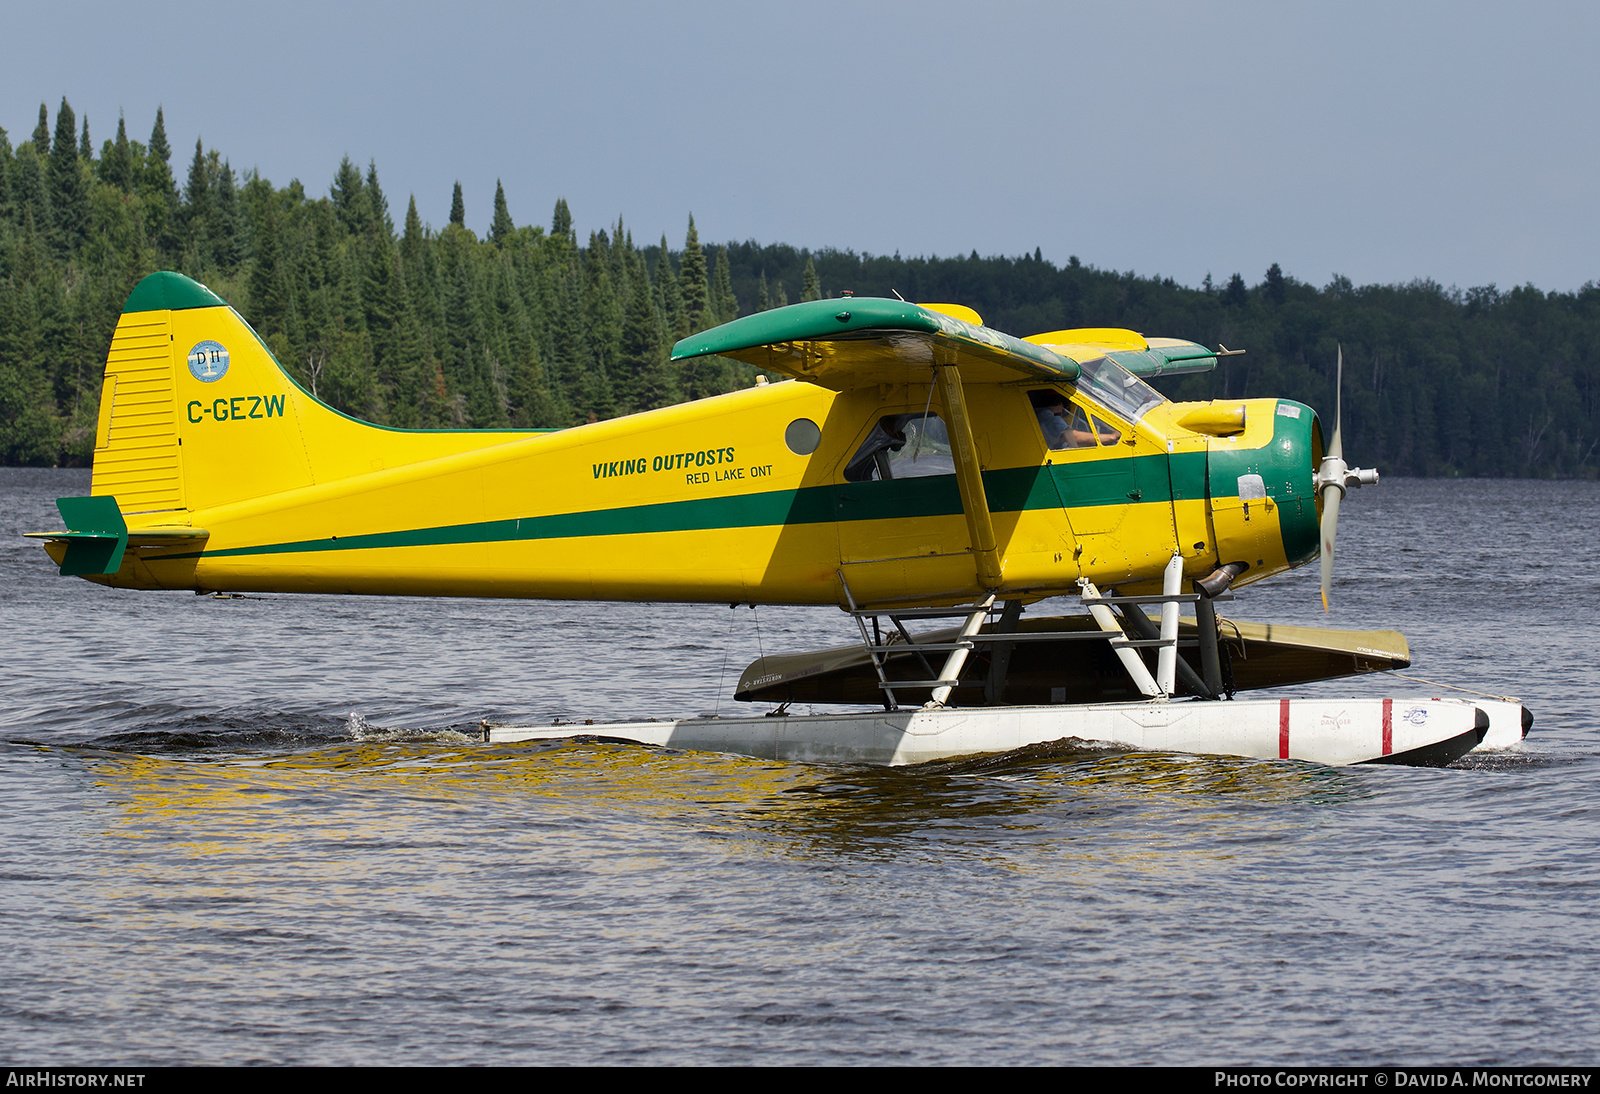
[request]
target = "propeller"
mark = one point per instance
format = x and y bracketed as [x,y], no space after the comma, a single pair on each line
[1333,478]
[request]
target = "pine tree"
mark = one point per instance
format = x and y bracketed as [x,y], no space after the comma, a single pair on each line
[458,208]
[1235,295]
[1276,290]
[69,191]
[668,299]
[727,306]
[704,375]
[117,167]
[534,407]
[41,133]
[621,253]
[85,149]
[602,308]
[160,191]
[412,243]
[349,199]
[763,300]
[269,290]
[377,203]
[196,210]
[463,340]
[643,364]
[28,431]
[30,192]
[569,350]
[158,158]
[77,377]
[27,257]
[224,224]
[692,283]
[408,395]
[502,227]
[561,223]
[812,288]
[382,305]
[7,170]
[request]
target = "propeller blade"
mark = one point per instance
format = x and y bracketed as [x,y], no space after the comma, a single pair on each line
[1331,497]
[1333,478]
[1336,445]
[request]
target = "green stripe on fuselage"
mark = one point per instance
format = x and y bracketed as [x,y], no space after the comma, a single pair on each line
[1009,490]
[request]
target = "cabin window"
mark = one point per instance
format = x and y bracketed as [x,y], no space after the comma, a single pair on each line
[1117,389]
[903,446]
[1065,425]
[802,436]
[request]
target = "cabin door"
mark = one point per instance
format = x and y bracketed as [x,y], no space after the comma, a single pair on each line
[901,529]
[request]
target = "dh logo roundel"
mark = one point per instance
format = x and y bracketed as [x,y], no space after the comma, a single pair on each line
[208,361]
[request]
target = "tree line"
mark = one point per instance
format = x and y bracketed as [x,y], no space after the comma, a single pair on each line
[528,327]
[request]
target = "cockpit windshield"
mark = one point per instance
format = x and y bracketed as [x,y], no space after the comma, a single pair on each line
[1117,389]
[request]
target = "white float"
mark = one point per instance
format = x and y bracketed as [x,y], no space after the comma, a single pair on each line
[1418,731]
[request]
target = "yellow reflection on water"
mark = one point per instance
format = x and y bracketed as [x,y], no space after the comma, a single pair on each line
[1048,806]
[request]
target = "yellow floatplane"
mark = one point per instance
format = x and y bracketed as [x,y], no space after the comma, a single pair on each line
[914,465]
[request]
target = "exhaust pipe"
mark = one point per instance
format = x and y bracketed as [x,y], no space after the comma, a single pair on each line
[1217,582]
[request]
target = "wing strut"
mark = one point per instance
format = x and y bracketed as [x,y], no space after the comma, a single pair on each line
[969,476]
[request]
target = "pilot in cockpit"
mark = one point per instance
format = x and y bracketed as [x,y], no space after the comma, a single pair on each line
[1065,425]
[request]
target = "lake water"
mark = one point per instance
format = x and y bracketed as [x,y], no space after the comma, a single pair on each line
[263,831]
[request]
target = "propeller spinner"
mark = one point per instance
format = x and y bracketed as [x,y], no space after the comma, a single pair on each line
[1333,478]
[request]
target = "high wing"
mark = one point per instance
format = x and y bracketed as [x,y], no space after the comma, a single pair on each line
[857,341]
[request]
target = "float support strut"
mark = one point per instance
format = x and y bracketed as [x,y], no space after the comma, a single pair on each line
[1134,620]
[1205,617]
[1130,657]
[958,657]
[1000,654]
[1167,655]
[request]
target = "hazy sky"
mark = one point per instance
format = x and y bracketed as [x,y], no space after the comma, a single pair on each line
[1383,141]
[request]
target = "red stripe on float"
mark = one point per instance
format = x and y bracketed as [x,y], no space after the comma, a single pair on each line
[1283,729]
[1388,726]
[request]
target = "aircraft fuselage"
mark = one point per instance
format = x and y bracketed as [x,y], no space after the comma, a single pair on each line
[765,495]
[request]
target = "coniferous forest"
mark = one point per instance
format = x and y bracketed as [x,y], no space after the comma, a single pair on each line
[396,322]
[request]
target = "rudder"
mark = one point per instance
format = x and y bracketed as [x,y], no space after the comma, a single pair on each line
[194,412]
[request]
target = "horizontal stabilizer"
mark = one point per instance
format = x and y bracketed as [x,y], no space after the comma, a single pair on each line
[97,537]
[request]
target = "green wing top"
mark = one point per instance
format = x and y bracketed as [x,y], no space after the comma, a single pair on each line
[854,341]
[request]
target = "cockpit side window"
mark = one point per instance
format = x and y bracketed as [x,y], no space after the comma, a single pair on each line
[1065,425]
[902,446]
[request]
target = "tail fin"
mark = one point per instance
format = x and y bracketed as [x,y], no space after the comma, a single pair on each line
[195,412]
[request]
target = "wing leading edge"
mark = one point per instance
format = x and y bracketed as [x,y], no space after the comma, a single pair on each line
[854,341]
